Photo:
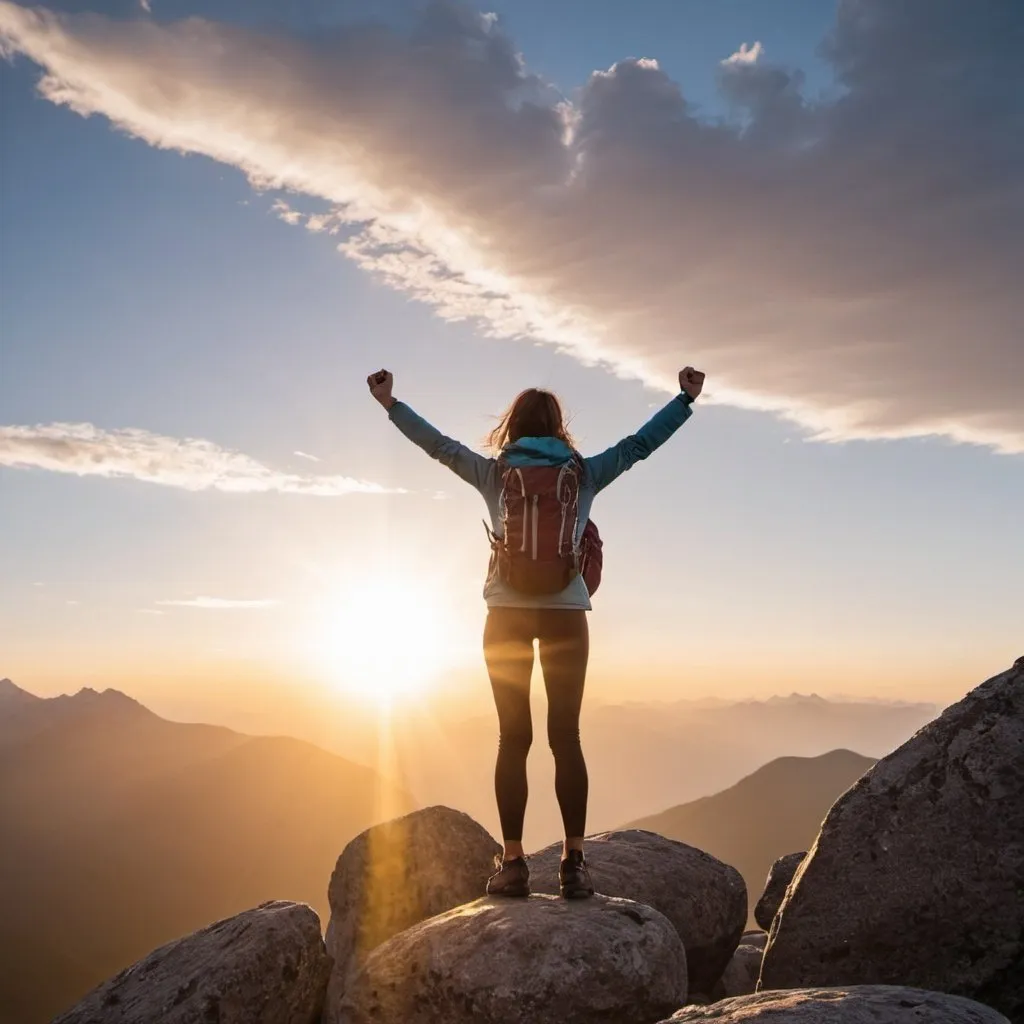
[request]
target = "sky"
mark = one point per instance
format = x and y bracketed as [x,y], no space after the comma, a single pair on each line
[217,218]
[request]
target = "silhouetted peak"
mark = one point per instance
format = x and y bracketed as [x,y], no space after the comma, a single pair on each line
[808,699]
[11,692]
[87,693]
[107,701]
[788,767]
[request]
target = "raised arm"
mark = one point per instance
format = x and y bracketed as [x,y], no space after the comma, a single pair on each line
[604,468]
[462,461]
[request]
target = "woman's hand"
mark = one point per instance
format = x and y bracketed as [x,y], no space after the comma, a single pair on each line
[691,381]
[380,384]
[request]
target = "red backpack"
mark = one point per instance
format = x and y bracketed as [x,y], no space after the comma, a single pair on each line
[535,553]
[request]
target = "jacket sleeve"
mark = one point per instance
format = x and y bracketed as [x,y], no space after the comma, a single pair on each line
[604,468]
[467,464]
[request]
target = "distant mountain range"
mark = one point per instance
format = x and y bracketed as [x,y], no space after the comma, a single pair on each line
[774,811]
[122,830]
[643,758]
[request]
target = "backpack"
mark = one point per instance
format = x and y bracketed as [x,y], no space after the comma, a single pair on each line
[536,553]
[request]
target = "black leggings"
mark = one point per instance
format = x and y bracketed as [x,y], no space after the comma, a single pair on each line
[564,643]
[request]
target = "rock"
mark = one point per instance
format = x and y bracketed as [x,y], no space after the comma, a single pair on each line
[779,876]
[860,1004]
[755,938]
[740,976]
[917,875]
[705,899]
[264,966]
[541,960]
[399,873]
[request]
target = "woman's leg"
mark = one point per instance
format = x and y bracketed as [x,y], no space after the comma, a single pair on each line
[508,652]
[564,649]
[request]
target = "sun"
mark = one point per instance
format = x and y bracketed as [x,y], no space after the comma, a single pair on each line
[383,639]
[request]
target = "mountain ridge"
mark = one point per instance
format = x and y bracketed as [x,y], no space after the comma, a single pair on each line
[124,830]
[774,810]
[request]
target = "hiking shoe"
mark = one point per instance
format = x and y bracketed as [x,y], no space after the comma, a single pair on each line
[574,877]
[511,879]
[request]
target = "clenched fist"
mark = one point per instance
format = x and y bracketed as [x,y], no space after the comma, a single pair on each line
[380,385]
[691,381]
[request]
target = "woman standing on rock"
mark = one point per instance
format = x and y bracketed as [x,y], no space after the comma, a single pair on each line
[539,491]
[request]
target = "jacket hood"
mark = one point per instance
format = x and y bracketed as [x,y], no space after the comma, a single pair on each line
[537,451]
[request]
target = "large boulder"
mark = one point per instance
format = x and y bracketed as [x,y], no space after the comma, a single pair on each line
[541,960]
[779,876]
[705,899]
[264,966]
[399,873]
[865,1004]
[917,875]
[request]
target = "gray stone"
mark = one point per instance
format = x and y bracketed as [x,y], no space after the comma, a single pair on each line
[541,960]
[399,873]
[755,938]
[741,973]
[780,874]
[917,875]
[864,1004]
[264,966]
[705,899]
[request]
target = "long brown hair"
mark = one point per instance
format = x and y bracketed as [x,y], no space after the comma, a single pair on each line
[533,413]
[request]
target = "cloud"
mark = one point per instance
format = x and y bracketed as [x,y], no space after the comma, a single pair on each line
[306,455]
[221,603]
[850,263]
[284,212]
[189,463]
[745,54]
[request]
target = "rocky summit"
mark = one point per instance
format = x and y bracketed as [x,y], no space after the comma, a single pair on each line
[917,875]
[541,960]
[704,899]
[906,910]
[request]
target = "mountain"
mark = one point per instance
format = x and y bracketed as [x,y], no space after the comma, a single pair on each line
[122,830]
[11,695]
[776,810]
[643,758]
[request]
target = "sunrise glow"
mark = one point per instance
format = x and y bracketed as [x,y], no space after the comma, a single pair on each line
[382,639]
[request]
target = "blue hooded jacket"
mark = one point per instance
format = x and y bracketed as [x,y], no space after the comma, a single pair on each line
[598,472]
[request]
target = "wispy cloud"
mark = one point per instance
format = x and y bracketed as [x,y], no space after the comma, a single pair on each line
[306,455]
[188,463]
[284,212]
[850,263]
[222,603]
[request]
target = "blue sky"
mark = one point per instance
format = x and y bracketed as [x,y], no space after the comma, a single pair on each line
[146,289]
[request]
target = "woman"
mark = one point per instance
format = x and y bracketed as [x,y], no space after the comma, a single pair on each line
[528,599]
